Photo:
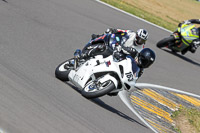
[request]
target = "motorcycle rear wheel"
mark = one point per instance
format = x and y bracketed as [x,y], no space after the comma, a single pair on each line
[62,72]
[93,91]
[165,42]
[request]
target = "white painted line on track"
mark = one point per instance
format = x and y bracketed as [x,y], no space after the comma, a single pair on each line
[123,96]
[133,15]
[166,88]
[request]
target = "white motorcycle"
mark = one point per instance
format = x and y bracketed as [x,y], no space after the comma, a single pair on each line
[99,76]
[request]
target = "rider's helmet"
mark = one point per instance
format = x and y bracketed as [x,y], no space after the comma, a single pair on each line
[196,31]
[146,58]
[141,36]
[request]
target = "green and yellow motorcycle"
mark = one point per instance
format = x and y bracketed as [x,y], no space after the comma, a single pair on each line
[181,40]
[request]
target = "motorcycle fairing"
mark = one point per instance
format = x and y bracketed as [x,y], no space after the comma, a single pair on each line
[188,34]
[81,76]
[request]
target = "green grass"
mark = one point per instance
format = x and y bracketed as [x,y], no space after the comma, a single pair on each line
[141,13]
[191,114]
[193,117]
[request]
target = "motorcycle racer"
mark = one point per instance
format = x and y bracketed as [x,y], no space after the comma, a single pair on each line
[122,43]
[143,59]
[129,38]
[113,38]
[195,32]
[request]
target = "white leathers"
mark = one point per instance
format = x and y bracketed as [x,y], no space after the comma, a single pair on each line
[131,41]
[130,38]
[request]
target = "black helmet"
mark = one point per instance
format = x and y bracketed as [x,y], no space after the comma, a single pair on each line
[146,58]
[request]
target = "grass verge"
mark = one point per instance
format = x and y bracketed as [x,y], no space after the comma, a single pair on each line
[141,13]
[187,120]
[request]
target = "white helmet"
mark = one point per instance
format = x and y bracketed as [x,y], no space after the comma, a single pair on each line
[141,36]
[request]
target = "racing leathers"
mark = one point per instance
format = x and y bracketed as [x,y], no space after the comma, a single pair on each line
[128,38]
[114,38]
[115,43]
[196,31]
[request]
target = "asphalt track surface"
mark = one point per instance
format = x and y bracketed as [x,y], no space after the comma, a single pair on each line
[37,35]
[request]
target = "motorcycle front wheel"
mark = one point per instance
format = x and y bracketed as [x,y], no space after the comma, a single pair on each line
[62,71]
[165,42]
[94,90]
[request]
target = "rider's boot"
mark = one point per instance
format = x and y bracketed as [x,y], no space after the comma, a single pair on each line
[77,54]
[95,36]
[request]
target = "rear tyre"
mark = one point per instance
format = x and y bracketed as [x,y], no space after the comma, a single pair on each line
[91,90]
[165,42]
[62,71]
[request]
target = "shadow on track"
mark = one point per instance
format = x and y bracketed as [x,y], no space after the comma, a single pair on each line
[99,102]
[5,1]
[109,108]
[182,57]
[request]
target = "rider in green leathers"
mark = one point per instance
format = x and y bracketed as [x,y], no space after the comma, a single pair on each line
[195,31]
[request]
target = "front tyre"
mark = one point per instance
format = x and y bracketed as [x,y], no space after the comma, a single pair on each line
[94,90]
[62,71]
[165,42]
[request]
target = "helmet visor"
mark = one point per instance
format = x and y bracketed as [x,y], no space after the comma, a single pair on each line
[144,63]
[140,41]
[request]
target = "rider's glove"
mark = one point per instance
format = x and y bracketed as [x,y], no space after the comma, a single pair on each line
[132,51]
